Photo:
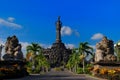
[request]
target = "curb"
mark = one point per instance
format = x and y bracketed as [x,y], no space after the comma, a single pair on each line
[89,76]
[94,77]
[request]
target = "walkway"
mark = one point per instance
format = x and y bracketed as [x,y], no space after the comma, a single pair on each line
[61,75]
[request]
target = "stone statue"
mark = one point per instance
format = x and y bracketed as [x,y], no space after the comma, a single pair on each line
[105,50]
[13,49]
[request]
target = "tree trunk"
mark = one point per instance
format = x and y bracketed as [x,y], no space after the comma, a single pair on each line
[83,66]
[75,68]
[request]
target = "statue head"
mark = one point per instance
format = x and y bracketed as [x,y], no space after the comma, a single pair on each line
[58,23]
[105,38]
[58,18]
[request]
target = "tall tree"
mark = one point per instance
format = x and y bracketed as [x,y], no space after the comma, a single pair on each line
[84,50]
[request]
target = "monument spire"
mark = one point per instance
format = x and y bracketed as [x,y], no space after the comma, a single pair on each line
[58,30]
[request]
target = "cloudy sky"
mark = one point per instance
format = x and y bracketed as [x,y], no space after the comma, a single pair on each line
[83,20]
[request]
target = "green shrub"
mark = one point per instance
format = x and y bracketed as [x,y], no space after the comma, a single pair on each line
[79,71]
[57,69]
[87,71]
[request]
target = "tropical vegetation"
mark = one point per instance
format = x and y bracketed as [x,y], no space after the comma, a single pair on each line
[78,58]
[36,60]
[77,62]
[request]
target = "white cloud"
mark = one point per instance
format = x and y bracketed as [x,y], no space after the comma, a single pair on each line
[11,19]
[67,31]
[9,24]
[93,46]
[77,33]
[45,45]
[71,46]
[24,45]
[97,36]
[2,41]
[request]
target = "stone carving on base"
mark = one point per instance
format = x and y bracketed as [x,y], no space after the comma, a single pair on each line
[105,51]
[13,49]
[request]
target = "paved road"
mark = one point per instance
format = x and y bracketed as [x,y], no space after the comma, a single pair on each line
[63,75]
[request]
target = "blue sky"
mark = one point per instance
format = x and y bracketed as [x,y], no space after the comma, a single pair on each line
[83,20]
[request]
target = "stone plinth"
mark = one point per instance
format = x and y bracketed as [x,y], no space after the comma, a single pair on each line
[58,55]
[106,70]
[13,69]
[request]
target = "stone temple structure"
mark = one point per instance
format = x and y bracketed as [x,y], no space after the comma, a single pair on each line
[105,51]
[58,54]
[13,49]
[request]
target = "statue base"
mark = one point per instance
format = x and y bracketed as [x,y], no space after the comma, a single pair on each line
[13,69]
[101,69]
[57,55]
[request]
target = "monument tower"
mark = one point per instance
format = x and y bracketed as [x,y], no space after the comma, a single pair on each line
[58,30]
[58,54]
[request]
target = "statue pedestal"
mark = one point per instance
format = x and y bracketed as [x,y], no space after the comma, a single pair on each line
[59,54]
[103,69]
[107,63]
[12,69]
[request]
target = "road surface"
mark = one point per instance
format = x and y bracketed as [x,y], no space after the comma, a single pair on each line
[55,75]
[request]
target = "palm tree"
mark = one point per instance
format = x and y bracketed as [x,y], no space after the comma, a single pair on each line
[70,61]
[28,56]
[32,50]
[84,50]
[42,63]
[73,61]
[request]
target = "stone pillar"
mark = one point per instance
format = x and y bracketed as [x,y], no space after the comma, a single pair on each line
[58,30]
